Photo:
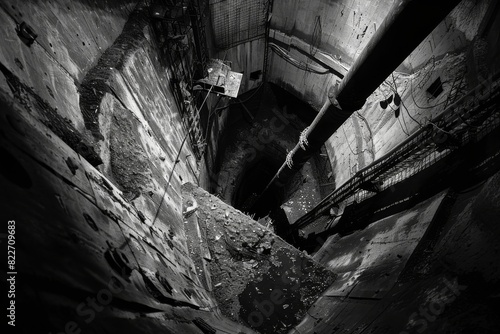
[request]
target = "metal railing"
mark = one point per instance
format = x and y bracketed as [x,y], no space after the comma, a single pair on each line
[467,120]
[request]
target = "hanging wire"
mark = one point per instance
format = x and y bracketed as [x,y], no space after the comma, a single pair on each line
[299,64]
[242,101]
[347,141]
[406,132]
[401,102]
[439,128]
[415,102]
[177,160]
[210,117]
[394,89]
[420,124]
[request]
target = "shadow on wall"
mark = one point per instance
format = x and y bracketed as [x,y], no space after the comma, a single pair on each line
[99,5]
[265,125]
[253,182]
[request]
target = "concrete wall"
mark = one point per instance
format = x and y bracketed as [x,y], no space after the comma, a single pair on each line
[87,258]
[93,136]
[346,25]
[318,33]
[430,269]
[71,37]
[122,108]
[372,131]
[345,29]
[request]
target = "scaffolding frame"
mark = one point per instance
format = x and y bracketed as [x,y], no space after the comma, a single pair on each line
[177,25]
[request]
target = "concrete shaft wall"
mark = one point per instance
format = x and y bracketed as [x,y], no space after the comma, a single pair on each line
[429,269]
[330,35]
[92,135]
[95,157]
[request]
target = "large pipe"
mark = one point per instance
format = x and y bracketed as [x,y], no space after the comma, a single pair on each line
[404,28]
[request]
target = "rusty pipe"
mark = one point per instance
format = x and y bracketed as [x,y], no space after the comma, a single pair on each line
[404,28]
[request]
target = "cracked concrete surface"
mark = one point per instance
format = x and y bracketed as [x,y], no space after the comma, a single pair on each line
[258,279]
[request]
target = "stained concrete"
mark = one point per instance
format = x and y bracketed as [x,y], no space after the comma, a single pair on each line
[79,239]
[258,279]
[122,224]
[444,53]
[430,268]
[84,230]
[71,36]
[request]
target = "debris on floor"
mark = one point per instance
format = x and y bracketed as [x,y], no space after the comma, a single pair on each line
[258,279]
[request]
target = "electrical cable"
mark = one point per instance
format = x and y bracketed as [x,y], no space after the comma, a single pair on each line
[401,101]
[210,117]
[406,132]
[347,141]
[242,101]
[439,128]
[408,112]
[415,102]
[394,89]
[176,161]
[305,67]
